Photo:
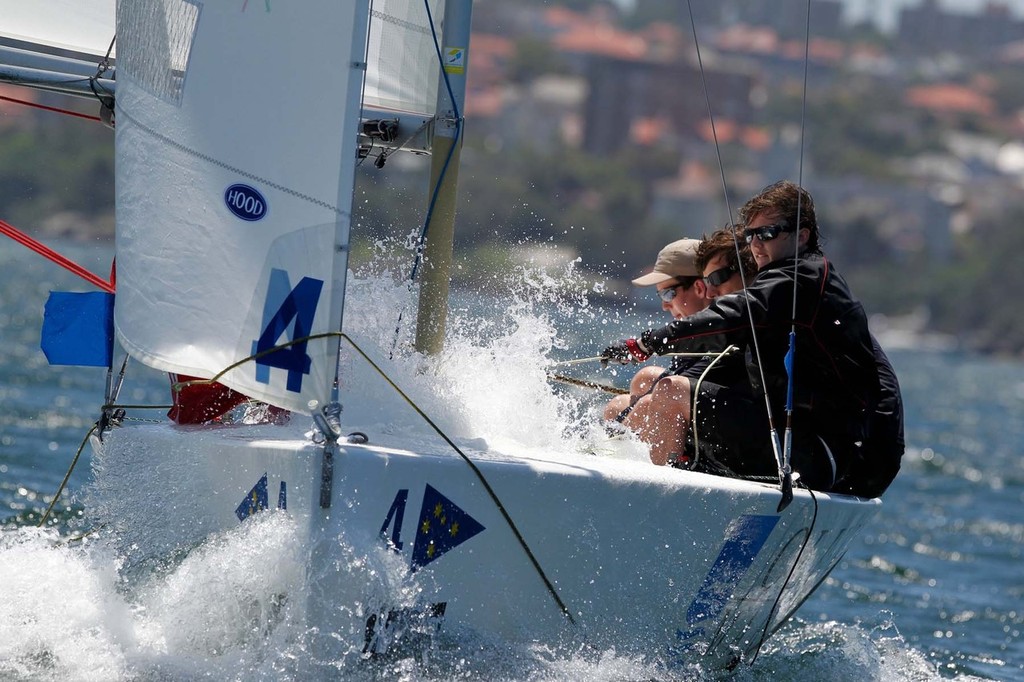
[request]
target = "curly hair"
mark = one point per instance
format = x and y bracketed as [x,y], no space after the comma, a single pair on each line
[723,242]
[784,201]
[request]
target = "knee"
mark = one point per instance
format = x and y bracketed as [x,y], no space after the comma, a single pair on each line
[670,400]
[672,389]
[615,407]
[644,380]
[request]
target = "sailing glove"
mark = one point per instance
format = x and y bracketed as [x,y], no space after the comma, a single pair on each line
[625,352]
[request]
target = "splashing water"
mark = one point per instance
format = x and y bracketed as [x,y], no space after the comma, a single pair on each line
[230,605]
[490,385]
[70,614]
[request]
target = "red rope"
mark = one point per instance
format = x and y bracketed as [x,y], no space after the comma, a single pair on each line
[66,263]
[46,108]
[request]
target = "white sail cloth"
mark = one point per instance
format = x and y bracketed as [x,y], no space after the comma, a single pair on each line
[402,67]
[85,27]
[236,145]
[401,58]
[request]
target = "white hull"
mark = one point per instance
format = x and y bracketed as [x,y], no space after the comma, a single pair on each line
[672,565]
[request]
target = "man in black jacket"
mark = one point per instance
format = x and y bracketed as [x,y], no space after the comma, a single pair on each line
[836,381]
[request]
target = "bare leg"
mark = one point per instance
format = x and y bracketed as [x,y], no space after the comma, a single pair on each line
[615,406]
[638,387]
[661,418]
[644,380]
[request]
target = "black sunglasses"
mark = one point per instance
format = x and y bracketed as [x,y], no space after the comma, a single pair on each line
[669,293]
[766,233]
[720,276]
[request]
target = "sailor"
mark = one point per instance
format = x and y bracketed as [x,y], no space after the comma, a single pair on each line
[681,291]
[702,269]
[835,383]
[725,262]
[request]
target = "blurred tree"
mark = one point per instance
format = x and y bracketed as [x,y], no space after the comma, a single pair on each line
[65,166]
[534,57]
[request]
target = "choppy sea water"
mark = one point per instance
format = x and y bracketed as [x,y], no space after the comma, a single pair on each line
[932,589]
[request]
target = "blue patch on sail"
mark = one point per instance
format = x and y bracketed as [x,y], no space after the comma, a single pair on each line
[442,527]
[749,533]
[245,202]
[255,501]
[78,328]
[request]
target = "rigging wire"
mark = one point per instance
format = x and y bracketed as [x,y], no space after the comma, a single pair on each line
[696,400]
[63,484]
[789,576]
[773,432]
[57,110]
[785,464]
[584,383]
[421,242]
[106,99]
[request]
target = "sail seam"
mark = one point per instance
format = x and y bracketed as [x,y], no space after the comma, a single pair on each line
[226,166]
[395,21]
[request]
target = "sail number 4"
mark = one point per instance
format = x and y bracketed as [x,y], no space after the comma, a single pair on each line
[286,310]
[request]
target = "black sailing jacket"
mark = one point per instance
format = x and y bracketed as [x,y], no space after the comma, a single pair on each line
[836,384]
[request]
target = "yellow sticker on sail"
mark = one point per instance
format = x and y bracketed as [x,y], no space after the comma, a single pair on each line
[455,60]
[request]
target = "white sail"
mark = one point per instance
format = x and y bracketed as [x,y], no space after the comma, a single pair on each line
[85,27]
[233,199]
[402,66]
[402,71]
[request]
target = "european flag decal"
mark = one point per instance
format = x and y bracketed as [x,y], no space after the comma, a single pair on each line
[78,328]
[256,500]
[442,526]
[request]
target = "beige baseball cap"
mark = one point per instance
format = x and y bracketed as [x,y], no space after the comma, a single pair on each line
[675,260]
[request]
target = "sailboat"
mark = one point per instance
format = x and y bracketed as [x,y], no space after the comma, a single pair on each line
[239,124]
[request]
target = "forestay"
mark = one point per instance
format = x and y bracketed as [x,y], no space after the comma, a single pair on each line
[236,145]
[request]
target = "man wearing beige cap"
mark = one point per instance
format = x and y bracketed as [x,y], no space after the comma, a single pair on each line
[682,293]
[679,284]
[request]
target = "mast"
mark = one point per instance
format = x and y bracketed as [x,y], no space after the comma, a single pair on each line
[444,174]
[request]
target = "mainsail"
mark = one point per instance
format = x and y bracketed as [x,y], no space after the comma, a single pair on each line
[81,27]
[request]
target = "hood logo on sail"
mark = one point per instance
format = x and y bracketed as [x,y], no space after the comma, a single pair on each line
[245,202]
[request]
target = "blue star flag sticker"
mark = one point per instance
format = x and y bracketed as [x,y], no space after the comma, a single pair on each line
[256,500]
[442,526]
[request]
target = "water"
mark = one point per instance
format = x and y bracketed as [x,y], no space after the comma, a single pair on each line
[932,590]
